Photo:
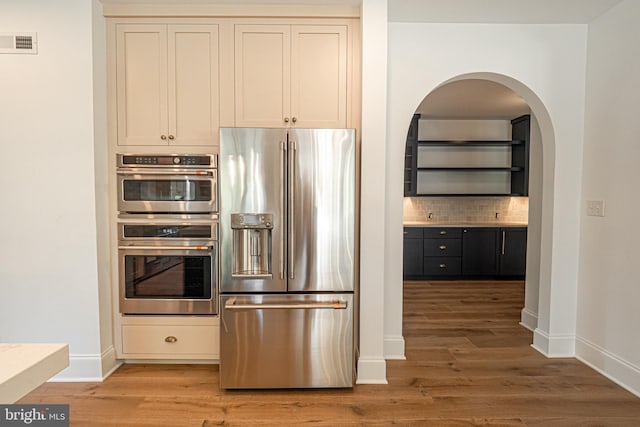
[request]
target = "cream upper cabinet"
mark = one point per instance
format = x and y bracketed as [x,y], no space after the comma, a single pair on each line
[167,84]
[291,75]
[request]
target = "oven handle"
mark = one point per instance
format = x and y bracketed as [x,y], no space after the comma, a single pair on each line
[168,248]
[174,172]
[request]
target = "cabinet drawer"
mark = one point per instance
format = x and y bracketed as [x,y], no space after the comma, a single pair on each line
[442,233]
[159,340]
[442,266]
[413,233]
[442,247]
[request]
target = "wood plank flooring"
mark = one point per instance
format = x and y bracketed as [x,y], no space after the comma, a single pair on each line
[469,363]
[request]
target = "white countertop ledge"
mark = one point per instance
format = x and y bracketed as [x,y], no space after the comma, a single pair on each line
[463,224]
[23,367]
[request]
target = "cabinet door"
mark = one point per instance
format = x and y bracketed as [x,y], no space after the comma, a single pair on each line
[262,75]
[193,95]
[413,255]
[479,251]
[319,76]
[141,74]
[513,251]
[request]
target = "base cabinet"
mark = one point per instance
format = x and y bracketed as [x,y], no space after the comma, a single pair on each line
[464,253]
[513,251]
[170,338]
[479,251]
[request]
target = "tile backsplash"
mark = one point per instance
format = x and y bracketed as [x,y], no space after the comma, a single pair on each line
[466,209]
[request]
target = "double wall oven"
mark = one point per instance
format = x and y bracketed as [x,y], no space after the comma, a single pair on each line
[167,234]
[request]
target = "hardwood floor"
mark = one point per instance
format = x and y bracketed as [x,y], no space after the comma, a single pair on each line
[469,363]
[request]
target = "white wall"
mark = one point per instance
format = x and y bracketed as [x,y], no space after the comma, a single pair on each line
[545,64]
[609,291]
[48,275]
[371,364]
[529,314]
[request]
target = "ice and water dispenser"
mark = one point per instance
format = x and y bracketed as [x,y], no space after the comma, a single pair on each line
[251,244]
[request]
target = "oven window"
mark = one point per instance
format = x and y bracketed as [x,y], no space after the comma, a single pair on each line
[166,190]
[187,277]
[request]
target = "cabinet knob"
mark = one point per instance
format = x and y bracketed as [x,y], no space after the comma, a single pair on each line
[293,119]
[163,137]
[172,137]
[442,247]
[286,119]
[170,339]
[443,266]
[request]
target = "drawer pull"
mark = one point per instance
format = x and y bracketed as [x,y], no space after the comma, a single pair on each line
[442,247]
[443,232]
[443,265]
[406,232]
[170,339]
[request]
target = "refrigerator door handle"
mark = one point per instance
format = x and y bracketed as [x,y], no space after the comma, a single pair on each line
[292,208]
[283,165]
[231,304]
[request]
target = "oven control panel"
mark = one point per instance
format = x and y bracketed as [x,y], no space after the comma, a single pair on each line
[182,160]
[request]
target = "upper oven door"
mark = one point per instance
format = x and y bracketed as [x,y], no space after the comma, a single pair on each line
[167,191]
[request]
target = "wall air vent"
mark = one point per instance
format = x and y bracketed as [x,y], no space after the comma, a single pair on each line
[18,43]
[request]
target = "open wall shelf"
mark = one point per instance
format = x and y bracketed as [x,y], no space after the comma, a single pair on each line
[468,167]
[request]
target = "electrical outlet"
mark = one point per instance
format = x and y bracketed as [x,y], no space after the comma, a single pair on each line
[595,208]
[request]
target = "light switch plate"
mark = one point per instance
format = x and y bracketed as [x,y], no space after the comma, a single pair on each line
[595,207]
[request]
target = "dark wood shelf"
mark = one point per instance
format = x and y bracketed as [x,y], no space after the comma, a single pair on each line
[453,143]
[479,169]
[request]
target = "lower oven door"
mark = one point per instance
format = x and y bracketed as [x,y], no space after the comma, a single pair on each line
[168,279]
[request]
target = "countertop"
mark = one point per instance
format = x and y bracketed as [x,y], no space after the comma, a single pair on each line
[23,367]
[463,224]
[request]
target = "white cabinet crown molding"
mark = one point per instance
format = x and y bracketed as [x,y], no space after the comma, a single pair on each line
[112,10]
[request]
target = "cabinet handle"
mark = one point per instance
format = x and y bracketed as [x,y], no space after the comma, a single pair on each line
[163,137]
[172,137]
[286,119]
[170,339]
[443,265]
[443,232]
[293,119]
[503,238]
[442,247]
[405,232]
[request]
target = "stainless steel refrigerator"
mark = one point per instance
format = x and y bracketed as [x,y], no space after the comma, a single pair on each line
[287,233]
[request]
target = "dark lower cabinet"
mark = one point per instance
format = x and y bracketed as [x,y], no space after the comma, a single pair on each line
[479,252]
[413,254]
[464,253]
[513,251]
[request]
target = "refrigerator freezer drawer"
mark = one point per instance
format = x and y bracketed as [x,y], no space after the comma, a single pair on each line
[286,341]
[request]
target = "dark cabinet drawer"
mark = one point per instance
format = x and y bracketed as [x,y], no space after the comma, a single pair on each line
[442,233]
[442,266]
[413,233]
[442,247]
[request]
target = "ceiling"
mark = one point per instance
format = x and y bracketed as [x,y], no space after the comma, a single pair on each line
[473,99]
[499,11]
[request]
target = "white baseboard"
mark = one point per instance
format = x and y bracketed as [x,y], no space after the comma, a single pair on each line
[89,367]
[554,345]
[529,319]
[372,371]
[618,370]
[394,347]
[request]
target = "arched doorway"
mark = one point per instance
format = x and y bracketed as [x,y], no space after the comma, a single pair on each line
[537,305]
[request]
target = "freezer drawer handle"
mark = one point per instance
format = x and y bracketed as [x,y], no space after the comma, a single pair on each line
[335,305]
